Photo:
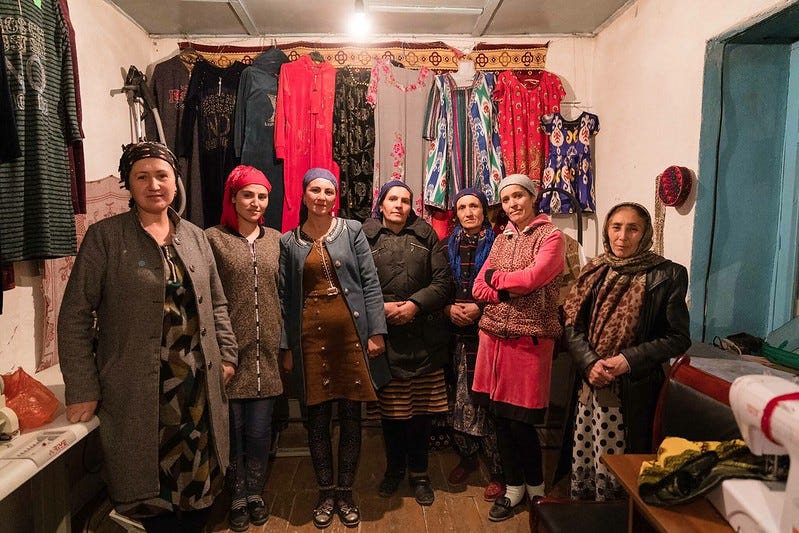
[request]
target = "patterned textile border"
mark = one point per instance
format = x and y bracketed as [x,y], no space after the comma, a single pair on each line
[496,57]
[437,55]
[104,198]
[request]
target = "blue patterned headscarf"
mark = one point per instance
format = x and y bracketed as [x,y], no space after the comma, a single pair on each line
[483,244]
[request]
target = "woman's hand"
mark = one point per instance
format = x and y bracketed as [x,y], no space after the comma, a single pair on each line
[405,312]
[599,376]
[390,309]
[398,313]
[617,365]
[81,412]
[227,372]
[464,314]
[286,361]
[375,345]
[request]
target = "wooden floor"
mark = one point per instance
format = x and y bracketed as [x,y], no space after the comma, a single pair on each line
[291,495]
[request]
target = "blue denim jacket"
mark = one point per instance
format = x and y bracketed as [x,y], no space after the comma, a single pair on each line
[352,258]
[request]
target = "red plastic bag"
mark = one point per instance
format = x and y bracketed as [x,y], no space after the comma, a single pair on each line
[33,403]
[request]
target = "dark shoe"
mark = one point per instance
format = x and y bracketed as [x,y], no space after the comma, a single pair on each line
[461,473]
[501,510]
[258,512]
[390,484]
[323,513]
[494,490]
[422,490]
[239,519]
[348,512]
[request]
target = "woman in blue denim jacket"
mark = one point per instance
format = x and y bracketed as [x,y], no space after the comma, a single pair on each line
[333,327]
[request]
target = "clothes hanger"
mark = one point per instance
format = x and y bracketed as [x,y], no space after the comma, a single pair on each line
[316,56]
[465,73]
[188,54]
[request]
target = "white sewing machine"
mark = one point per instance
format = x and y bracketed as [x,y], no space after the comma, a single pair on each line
[758,506]
[9,424]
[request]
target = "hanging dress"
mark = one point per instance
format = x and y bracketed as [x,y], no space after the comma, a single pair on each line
[569,162]
[303,128]
[398,96]
[354,142]
[521,102]
[210,103]
[466,153]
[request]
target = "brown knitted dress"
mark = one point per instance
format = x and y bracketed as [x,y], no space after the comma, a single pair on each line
[333,358]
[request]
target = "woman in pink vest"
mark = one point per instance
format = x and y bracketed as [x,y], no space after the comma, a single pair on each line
[520,283]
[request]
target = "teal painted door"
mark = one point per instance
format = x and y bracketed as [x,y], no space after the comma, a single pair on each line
[784,293]
[742,201]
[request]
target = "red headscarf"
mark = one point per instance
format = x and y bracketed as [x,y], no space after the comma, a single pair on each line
[239,177]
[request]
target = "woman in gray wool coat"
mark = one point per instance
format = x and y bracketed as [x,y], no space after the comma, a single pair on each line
[155,365]
[247,256]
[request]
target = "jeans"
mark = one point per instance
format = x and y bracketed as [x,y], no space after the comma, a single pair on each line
[250,440]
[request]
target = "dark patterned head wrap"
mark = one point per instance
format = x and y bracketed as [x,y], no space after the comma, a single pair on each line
[143,150]
[382,196]
[483,244]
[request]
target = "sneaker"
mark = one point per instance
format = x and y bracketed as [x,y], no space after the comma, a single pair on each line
[239,519]
[501,510]
[323,513]
[390,484]
[462,471]
[348,512]
[258,512]
[494,490]
[422,490]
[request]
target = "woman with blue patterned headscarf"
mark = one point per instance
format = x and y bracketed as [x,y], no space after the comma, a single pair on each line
[473,426]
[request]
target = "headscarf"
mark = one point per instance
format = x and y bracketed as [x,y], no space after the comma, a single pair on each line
[643,258]
[240,177]
[316,173]
[135,151]
[533,186]
[382,196]
[619,285]
[310,175]
[483,244]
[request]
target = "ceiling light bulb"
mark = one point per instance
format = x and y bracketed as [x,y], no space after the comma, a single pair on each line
[360,25]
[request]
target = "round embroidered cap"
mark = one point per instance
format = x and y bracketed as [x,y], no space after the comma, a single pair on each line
[674,186]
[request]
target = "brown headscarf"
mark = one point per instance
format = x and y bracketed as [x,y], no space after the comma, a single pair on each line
[615,288]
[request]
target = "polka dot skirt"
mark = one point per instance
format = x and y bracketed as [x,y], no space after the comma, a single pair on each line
[598,431]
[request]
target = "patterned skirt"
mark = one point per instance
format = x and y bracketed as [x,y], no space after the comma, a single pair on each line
[402,399]
[466,416]
[597,431]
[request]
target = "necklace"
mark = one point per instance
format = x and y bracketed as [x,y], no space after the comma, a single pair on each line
[332,290]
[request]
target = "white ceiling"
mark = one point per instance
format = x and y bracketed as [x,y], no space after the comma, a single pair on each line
[476,18]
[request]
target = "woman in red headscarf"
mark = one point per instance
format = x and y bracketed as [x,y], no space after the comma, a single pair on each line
[247,255]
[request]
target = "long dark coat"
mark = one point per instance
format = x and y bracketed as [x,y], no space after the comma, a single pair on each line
[119,274]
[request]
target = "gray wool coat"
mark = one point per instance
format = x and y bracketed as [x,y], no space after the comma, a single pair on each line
[119,274]
[234,260]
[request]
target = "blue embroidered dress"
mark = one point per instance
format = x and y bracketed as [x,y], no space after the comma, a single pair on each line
[568,166]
